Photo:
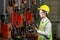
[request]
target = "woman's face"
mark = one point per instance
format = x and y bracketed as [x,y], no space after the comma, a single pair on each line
[42,14]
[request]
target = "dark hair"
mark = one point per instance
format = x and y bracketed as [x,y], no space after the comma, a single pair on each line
[47,15]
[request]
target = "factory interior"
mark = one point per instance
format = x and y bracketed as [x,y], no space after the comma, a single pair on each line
[18,17]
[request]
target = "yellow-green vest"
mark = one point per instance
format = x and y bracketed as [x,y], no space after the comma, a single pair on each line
[42,28]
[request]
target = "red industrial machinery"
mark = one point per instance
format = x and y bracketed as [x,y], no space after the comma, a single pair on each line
[19,16]
[28,15]
[17,19]
[5,31]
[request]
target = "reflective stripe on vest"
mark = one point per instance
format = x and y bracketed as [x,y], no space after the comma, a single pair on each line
[42,28]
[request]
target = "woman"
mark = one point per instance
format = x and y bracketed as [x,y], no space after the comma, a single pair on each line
[45,28]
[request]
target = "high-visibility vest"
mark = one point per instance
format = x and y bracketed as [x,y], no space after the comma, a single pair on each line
[42,28]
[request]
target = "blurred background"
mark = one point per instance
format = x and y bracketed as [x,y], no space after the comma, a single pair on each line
[26,14]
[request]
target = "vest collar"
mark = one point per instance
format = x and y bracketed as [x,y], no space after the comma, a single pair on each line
[44,19]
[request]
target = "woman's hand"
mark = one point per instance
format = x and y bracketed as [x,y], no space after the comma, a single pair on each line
[35,28]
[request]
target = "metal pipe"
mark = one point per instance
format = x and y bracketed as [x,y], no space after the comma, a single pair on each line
[19,4]
[4,8]
[29,3]
[41,2]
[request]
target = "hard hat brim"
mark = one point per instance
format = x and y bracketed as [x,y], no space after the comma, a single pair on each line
[38,9]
